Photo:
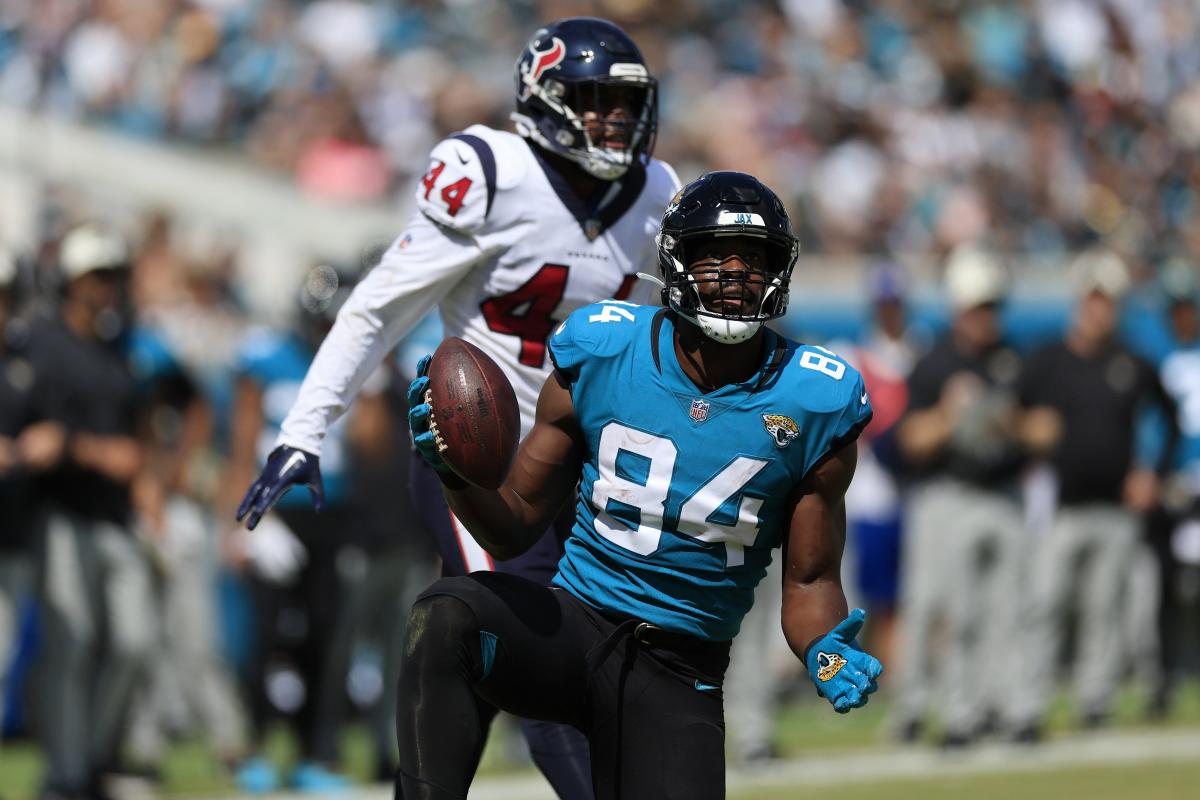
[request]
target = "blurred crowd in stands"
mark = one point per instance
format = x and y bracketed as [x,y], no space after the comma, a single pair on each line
[939,132]
[902,126]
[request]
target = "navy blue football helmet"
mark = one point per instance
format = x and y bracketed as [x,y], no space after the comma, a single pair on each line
[728,301]
[570,78]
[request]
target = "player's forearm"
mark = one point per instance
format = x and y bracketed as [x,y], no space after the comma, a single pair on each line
[810,610]
[352,350]
[503,523]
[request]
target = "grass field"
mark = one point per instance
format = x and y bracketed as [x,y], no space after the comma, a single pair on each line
[1151,781]
[808,734]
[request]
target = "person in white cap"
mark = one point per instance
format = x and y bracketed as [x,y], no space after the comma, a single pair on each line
[963,533]
[95,587]
[1084,394]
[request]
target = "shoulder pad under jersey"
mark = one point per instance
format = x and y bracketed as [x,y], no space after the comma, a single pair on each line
[600,330]
[466,170]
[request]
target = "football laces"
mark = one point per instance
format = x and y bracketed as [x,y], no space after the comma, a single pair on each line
[433,426]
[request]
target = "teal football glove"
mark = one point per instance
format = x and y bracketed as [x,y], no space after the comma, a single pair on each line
[418,419]
[843,672]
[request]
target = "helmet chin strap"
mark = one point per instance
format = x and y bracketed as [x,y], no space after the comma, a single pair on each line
[598,165]
[726,331]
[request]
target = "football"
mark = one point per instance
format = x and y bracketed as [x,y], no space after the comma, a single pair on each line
[475,419]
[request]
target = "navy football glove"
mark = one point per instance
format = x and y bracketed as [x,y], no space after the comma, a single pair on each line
[286,467]
[418,422]
[843,672]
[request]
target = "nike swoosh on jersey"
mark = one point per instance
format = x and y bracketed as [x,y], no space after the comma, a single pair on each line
[460,157]
[863,399]
[706,687]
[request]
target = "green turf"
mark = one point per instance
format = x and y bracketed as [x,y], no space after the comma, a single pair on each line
[1166,781]
[810,725]
[805,727]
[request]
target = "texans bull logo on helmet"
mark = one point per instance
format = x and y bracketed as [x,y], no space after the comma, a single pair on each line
[542,61]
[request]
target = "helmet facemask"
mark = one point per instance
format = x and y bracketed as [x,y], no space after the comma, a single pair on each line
[579,121]
[728,281]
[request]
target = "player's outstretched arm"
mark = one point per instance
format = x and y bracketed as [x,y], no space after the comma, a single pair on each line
[508,521]
[815,621]
[412,276]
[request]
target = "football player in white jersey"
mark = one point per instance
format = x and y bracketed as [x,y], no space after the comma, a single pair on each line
[511,234]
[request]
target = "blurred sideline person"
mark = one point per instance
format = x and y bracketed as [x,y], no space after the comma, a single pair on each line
[672,531]
[1174,529]
[295,560]
[964,538]
[97,602]
[874,507]
[511,234]
[383,572]
[23,436]
[1083,394]
[189,686]
[754,683]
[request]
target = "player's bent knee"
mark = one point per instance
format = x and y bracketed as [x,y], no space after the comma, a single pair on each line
[439,617]
[443,630]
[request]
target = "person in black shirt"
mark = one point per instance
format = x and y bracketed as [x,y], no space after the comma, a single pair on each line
[1083,395]
[963,537]
[95,583]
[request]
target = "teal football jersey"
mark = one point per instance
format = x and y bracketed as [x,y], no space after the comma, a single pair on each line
[684,494]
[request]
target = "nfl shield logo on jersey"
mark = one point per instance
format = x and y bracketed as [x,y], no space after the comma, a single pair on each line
[699,410]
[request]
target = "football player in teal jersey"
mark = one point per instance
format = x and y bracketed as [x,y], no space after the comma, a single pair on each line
[700,441]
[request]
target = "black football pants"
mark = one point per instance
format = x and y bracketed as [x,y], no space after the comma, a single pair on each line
[648,701]
[559,751]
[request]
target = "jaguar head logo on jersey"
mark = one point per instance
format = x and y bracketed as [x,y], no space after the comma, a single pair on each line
[829,665]
[572,79]
[699,411]
[782,429]
[726,254]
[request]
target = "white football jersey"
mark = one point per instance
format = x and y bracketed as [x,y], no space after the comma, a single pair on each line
[506,251]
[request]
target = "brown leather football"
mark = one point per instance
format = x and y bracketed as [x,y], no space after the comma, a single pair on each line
[475,422]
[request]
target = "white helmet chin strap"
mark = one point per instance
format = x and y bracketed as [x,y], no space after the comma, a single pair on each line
[726,331]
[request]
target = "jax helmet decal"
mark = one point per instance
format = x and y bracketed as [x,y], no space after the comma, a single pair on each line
[583,92]
[714,206]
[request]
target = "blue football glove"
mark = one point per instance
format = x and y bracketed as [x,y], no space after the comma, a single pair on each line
[418,420]
[843,672]
[286,467]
